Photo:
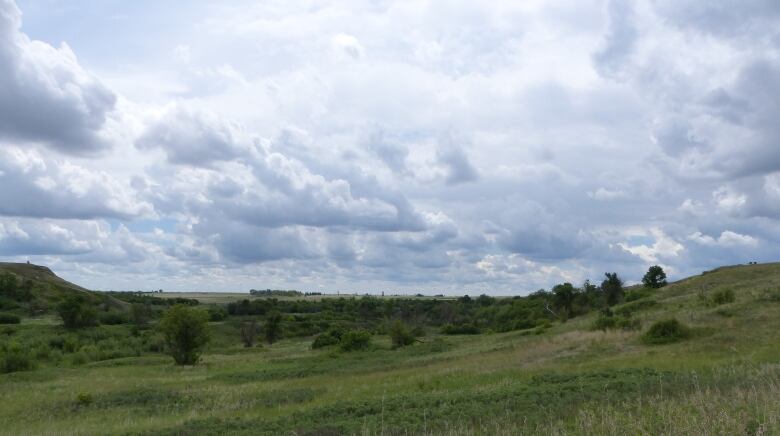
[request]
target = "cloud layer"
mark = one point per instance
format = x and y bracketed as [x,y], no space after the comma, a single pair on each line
[410,146]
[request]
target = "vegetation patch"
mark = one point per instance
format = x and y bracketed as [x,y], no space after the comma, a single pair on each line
[666,331]
[9,318]
[635,306]
[723,296]
[147,399]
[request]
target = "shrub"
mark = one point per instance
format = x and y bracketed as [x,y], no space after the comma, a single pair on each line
[400,335]
[460,329]
[76,312]
[217,313]
[331,337]
[273,327]
[186,332]
[666,331]
[249,331]
[9,284]
[84,399]
[606,320]
[14,358]
[611,320]
[9,318]
[113,317]
[724,296]
[140,314]
[355,340]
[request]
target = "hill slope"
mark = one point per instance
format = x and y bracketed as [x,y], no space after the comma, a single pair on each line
[724,378]
[45,289]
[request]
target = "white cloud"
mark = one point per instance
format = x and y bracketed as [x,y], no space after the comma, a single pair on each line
[726,239]
[47,95]
[365,145]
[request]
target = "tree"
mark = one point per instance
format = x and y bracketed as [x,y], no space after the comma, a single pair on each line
[655,277]
[76,312]
[186,332]
[612,287]
[400,335]
[273,327]
[563,299]
[249,332]
[140,313]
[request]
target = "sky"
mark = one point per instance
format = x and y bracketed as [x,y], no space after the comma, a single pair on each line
[401,146]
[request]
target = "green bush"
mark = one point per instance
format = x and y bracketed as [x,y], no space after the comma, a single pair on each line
[76,312]
[217,313]
[330,337]
[15,358]
[400,335]
[605,321]
[9,318]
[666,331]
[186,332]
[609,320]
[84,399]
[460,329]
[724,296]
[273,327]
[113,317]
[355,340]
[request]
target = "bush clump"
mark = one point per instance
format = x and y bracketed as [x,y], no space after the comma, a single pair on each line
[113,317]
[76,312]
[724,296]
[609,320]
[15,358]
[400,335]
[9,318]
[355,340]
[460,329]
[666,331]
[330,337]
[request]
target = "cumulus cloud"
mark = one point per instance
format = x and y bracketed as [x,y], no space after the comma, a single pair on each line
[48,96]
[501,147]
[726,239]
[620,39]
[33,185]
[192,137]
[457,166]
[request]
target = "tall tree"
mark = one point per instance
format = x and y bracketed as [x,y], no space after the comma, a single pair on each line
[612,287]
[655,277]
[563,299]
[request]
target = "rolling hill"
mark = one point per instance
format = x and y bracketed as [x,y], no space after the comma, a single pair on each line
[721,377]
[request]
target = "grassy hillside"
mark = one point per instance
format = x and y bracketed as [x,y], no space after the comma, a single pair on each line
[723,378]
[43,289]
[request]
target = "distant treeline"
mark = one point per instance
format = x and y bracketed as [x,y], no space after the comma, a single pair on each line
[280,293]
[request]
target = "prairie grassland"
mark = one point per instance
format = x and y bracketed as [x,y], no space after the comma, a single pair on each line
[567,380]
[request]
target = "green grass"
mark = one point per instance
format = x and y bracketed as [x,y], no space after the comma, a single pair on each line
[722,379]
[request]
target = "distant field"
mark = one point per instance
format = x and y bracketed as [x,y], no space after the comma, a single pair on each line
[227,297]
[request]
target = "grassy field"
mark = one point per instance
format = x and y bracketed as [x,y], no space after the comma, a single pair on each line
[570,379]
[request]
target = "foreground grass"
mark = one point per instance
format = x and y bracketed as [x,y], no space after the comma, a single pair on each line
[568,380]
